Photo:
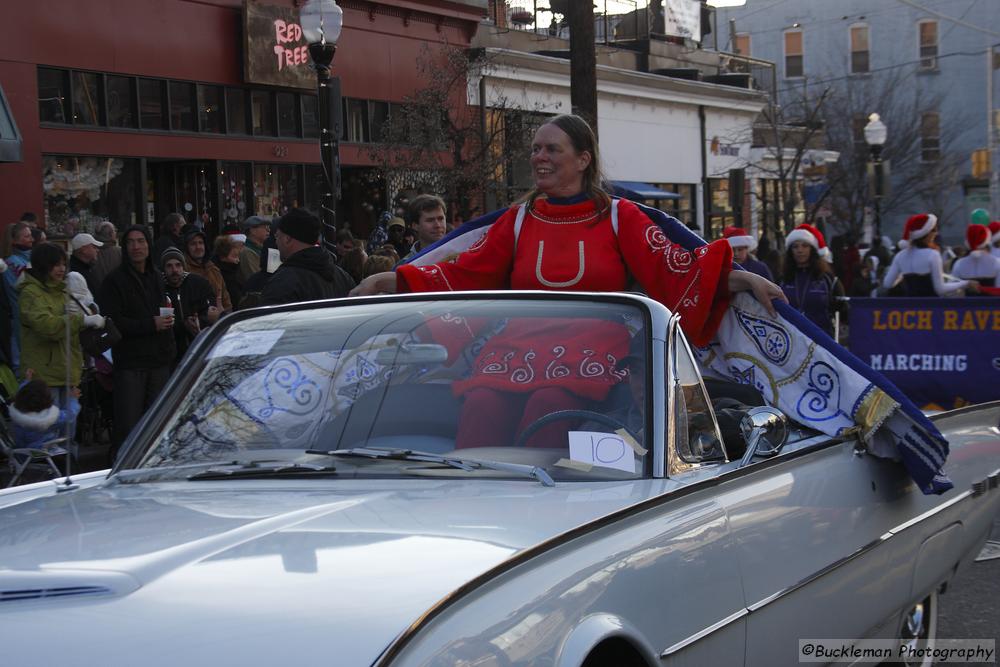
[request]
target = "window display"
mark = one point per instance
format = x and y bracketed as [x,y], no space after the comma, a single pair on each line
[82,191]
[275,188]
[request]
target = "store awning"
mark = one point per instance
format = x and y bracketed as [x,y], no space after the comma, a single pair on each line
[637,191]
[10,136]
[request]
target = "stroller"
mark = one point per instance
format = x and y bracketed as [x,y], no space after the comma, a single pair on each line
[22,459]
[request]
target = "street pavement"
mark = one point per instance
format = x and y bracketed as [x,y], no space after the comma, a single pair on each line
[971,607]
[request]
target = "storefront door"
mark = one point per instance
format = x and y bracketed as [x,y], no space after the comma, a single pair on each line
[186,187]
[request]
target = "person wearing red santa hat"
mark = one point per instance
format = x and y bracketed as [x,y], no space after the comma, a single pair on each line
[918,265]
[995,238]
[979,264]
[743,244]
[808,281]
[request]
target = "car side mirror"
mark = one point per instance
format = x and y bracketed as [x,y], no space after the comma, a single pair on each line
[765,429]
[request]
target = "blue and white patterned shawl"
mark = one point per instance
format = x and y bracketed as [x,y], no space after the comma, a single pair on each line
[796,366]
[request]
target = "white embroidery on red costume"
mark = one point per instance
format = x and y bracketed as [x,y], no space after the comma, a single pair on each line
[656,239]
[496,367]
[556,370]
[590,368]
[566,283]
[526,373]
[435,276]
[678,259]
[684,300]
[457,320]
[480,242]
[621,374]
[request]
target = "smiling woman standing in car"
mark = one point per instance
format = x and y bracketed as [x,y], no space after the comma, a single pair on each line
[568,234]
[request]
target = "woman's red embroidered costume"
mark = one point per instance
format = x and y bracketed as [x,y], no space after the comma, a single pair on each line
[574,247]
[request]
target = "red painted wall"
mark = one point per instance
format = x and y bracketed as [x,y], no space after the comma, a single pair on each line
[198,40]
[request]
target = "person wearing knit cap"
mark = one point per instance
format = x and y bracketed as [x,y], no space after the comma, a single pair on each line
[979,264]
[808,281]
[743,244]
[192,298]
[307,271]
[918,266]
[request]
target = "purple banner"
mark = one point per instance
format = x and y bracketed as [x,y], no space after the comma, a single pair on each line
[942,353]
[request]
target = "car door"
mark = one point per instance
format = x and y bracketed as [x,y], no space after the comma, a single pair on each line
[820,545]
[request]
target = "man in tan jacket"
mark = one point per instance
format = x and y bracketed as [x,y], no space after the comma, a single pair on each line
[195,248]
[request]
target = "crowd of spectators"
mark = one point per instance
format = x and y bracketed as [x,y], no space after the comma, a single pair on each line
[162,294]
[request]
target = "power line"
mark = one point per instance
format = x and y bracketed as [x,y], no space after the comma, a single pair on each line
[879,69]
[970,26]
[818,22]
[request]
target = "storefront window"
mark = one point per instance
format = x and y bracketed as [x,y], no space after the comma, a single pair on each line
[263,113]
[310,116]
[357,120]
[236,192]
[86,98]
[121,101]
[53,95]
[151,104]
[82,191]
[275,188]
[379,114]
[210,108]
[181,106]
[288,125]
[236,110]
[721,214]
[683,209]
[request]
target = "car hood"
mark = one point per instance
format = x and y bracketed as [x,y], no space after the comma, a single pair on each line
[257,572]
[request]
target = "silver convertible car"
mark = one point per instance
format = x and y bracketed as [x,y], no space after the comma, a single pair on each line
[306,492]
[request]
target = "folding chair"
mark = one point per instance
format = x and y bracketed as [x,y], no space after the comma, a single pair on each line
[19,459]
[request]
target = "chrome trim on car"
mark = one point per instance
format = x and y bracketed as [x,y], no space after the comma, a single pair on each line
[892,532]
[691,639]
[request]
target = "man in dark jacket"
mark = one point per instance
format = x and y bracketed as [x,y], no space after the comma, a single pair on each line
[132,296]
[170,235]
[307,271]
[193,299]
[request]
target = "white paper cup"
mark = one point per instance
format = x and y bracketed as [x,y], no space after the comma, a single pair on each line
[166,312]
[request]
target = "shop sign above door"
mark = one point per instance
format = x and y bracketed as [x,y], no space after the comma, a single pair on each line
[275,53]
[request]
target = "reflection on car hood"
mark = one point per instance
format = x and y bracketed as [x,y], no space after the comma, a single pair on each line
[257,572]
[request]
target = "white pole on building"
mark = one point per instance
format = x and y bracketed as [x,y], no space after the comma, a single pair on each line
[991,138]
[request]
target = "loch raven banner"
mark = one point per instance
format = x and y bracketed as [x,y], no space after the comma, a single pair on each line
[942,353]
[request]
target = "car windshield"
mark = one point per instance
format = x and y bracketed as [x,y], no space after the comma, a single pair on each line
[556,385]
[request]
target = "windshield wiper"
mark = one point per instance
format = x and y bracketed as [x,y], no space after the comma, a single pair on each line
[466,464]
[255,469]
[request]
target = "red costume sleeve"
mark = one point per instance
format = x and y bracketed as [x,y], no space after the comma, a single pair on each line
[485,265]
[694,284]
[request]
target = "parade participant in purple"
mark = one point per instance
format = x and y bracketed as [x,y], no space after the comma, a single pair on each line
[979,264]
[995,238]
[918,265]
[743,244]
[808,281]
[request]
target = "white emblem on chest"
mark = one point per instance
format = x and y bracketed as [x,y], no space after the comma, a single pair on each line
[567,283]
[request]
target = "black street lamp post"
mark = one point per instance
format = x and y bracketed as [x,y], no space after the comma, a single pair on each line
[875,136]
[321,22]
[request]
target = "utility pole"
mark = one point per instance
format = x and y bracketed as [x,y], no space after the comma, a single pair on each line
[583,61]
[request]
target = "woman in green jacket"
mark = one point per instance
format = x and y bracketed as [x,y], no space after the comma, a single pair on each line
[42,303]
